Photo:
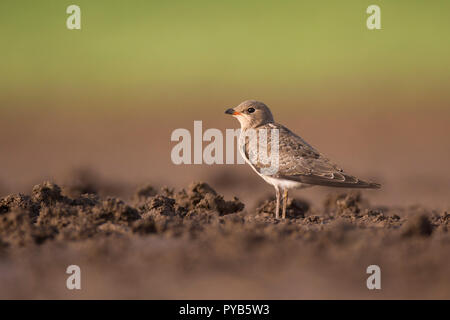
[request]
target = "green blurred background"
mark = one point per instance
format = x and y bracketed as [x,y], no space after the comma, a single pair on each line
[318,55]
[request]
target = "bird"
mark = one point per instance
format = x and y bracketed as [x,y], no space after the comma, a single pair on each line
[299,164]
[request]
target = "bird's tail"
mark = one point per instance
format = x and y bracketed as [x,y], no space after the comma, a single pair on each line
[347,182]
[368,185]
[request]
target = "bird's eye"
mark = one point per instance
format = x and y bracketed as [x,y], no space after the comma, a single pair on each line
[251,110]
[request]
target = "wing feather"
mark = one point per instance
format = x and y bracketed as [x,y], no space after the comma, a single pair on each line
[299,161]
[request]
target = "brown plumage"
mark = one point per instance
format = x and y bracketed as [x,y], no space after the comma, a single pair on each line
[299,164]
[298,161]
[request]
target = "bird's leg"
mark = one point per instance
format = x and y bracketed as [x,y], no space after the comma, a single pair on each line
[285,199]
[277,208]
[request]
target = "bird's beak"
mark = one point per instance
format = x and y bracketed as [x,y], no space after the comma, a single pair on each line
[232,112]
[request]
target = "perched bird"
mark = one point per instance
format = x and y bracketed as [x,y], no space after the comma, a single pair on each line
[299,164]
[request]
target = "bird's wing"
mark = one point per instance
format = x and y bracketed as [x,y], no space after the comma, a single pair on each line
[298,161]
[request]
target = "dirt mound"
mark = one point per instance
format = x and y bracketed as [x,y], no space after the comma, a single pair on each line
[48,214]
[345,204]
[295,208]
[194,235]
[19,201]
[418,225]
[144,192]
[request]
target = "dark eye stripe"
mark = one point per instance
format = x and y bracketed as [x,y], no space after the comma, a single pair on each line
[251,110]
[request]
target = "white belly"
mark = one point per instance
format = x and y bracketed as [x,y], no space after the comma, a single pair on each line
[284,184]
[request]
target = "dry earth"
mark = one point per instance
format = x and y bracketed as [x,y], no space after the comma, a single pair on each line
[193,243]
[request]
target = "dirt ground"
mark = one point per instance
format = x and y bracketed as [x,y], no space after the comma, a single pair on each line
[140,227]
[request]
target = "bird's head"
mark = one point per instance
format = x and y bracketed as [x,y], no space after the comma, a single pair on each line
[251,114]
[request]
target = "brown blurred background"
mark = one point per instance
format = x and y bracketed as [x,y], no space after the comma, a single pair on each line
[407,152]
